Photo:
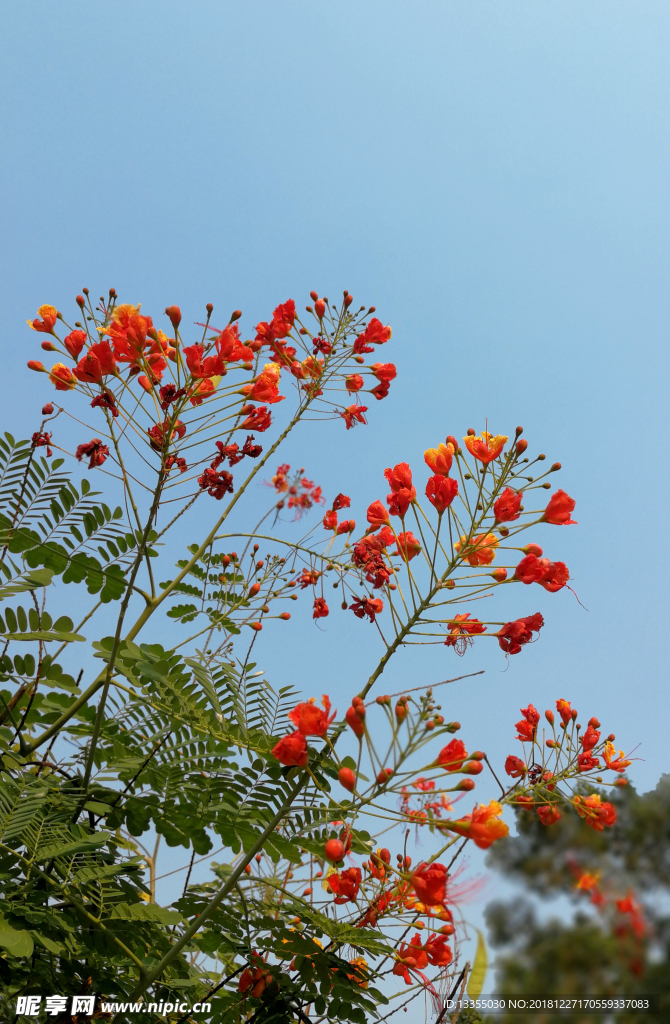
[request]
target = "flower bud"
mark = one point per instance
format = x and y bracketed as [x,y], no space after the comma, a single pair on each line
[430,725]
[521,446]
[472,767]
[174,314]
[574,714]
[247,868]
[81,301]
[471,432]
[285,616]
[556,466]
[354,722]
[478,755]
[401,712]
[453,726]
[551,743]
[320,308]
[499,575]
[235,315]
[594,722]
[334,850]
[347,778]
[518,431]
[465,785]
[256,625]
[253,589]
[348,299]
[313,296]
[47,409]
[503,531]
[549,715]
[210,308]
[611,737]
[533,549]
[621,781]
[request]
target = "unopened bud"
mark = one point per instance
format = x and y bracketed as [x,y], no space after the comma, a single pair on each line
[320,308]
[253,589]
[556,466]
[247,868]
[533,549]
[499,575]
[541,458]
[81,301]
[174,314]
[594,723]
[471,432]
[518,431]
[574,714]
[35,364]
[503,531]
[521,446]
[472,767]
[348,299]
[48,346]
[256,625]
[313,296]
[210,308]
[611,738]
[478,755]
[235,315]
[385,855]
[549,715]
[551,743]
[285,616]
[401,711]
[465,785]
[453,726]
[47,409]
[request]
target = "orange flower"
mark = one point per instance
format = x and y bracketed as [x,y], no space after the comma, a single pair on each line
[96,364]
[479,550]
[266,386]
[588,882]
[128,331]
[618,764]
[560,508]
[62,377]
[310,720]
[548,814]
[441,491]
[74,343]
[485,448]
[598,813]
[46,325]
[291,750]
[438,951]
[377,515]
[201,368]
[408,546]
[564,710]
[483,826]
[320,610]
[439,459]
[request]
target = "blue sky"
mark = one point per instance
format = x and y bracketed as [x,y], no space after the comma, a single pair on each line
[493,177]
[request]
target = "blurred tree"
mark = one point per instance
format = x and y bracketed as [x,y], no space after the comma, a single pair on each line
[618,941]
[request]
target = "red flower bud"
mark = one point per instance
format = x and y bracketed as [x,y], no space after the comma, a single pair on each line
[401,712]
[256,625]
[499,575]
[385,855]
[47,409]
[320,308]
[478,755]
[465,784]
[533,549]
[334,850]
[81,301]
[313,296]
[174,313]
[355,723]
[48,346]
[235,315]
[285,616]
[549,715]
[347,778]
[35,364]
[473,767]
[253,589]
[521,446]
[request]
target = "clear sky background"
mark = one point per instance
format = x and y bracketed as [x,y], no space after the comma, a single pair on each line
[492,176]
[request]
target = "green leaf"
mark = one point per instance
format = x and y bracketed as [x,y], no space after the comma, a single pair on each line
[478,972]
[17,943]
[145,912]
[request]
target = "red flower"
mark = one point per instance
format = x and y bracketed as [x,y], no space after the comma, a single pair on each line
[555,575]
[266,386]
[513,635]
[483,826]
[461,630]
[374,334]
[42,440]
[400,500]
[310,720]
[97,362]
[105,400]
[330,520]
[407,546]
[385,372]
[560,508]
[452,756]
[341,501]
[49,316]
[346,526]
[377,515]
[74,342]
[381,390]
[95,451]
[370,606]
[441,491]
[353,414]
[320,608]
[400,478]
[564,710]
[527,727]
[586,763]
[529,569]
[514,766]
[230,348]
[345,884]
[354,382]
[590,738]
[62,377]
[283,319]
[438,951]
[618,764]
[439,459]
[291,750]
[429,882]
[548,814]
[200,369]
[257,418]
[506,508]
[217,484]
[485,448]
[128,331]
[411,958]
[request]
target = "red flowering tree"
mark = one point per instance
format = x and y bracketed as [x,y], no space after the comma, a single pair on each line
[305,915]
